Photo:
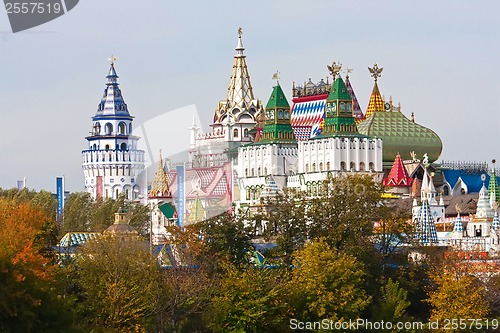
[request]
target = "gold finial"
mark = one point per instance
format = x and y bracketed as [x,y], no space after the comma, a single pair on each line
[240,32]
[112,59]
[334,69]
[375,71]
[458,208]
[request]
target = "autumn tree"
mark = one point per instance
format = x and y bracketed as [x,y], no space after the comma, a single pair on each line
[28,299]
[457,293]
[326,283]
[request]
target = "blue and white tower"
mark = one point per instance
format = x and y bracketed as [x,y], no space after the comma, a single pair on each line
[112,163]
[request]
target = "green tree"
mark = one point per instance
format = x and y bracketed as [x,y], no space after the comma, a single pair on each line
[285,223]
[250,300]
[392,304]
[118,277]
[225,239]
[344,213]
[77,212]
[327,284]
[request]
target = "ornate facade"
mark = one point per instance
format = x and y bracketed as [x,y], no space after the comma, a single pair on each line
[112,163]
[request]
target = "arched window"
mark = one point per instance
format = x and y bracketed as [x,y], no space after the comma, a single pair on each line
[265,171]
[107,147]
[235,133]
[130,128]
[328,166]
[258,171]
[352,166]
[314,167]
[122,128]
[245,132]
[94,147]
[321,166]
[123,146]
[108,128]
[307,167]
[361,166]
[371,166]
[98,128]
[246,172]
[253,172]
[280,114]
[342,166]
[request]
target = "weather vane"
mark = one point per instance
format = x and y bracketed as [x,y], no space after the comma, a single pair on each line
[112,59]
[334,69]
[375,71]
[276,76]
[240,32]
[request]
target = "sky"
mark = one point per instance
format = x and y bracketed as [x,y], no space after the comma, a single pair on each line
[441,60]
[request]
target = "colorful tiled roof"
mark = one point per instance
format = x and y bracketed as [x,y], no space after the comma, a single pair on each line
[425,228]
[307,112]
[376,103]
[398,176]
[72,239]
[401,135]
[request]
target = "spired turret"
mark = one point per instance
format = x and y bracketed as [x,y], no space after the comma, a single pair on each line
[112,162]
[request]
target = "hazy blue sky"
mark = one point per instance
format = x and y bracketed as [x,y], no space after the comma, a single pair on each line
[441,60]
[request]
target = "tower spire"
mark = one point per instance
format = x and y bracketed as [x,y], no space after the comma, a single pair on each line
[240,92]
[376,103]
[160,184]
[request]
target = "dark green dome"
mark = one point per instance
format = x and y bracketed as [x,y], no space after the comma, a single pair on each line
[401,135]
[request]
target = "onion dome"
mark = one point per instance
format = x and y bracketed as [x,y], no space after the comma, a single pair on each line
[398,133]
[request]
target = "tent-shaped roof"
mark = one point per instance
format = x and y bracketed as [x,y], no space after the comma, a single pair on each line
[398,176]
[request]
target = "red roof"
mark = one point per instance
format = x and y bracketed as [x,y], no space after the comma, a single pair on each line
[398,176]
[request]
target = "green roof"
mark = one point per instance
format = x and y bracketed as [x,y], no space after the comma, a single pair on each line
[339,91]
[401,135]
[277,99]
